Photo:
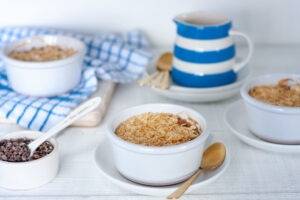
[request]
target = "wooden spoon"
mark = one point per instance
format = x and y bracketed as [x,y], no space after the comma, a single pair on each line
[213,157]
[164,63]
[160,78]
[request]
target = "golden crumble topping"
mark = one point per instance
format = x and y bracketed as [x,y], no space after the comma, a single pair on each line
[46,53]
[285,93]
[158,129]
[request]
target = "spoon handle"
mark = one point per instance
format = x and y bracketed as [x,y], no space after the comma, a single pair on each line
[76,114]
[185,185]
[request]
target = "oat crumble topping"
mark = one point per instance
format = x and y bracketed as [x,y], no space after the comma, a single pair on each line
[285,93]
[158,129]
[46,53]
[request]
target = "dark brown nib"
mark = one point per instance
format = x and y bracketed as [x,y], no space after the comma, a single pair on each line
[16,150]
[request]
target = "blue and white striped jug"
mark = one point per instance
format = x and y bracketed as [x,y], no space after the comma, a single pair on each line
[204,52]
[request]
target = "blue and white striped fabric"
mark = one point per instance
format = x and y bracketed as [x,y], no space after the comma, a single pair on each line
[109,57]
[204,55]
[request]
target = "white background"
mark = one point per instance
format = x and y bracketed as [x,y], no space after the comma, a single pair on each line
[266,21]
[253,174]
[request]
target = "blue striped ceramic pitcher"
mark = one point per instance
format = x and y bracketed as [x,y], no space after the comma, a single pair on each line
[204,52]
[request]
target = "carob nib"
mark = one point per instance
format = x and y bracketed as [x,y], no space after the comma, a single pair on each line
[16,150]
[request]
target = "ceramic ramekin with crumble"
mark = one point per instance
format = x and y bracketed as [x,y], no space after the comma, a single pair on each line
[157,165]
[273,123]
[44,77]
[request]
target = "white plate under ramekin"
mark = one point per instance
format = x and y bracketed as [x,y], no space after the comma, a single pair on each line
[31,174]
[157,165]
[205,94]
[236,120]
[47,78]
[108,170]
[277,124]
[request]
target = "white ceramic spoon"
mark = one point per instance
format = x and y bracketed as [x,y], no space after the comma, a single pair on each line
[76,114]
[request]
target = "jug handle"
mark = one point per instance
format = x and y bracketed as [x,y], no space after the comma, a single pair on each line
[240,65]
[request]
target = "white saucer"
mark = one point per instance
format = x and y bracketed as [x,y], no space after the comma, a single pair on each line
[236,120]
[205,94]
[105,163]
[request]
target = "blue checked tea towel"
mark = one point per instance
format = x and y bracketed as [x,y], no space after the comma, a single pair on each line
[114,57]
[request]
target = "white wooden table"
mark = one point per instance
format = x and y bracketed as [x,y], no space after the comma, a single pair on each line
[253,173]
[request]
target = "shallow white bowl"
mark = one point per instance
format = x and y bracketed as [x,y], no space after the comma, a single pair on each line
[205,94]
[157,165]
[237,123]
[107,168]
[47,78]
[278,124]
[31,174]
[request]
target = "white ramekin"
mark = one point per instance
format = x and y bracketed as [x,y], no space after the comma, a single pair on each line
[47,78]
[278,124]
[157,165]
[31,174]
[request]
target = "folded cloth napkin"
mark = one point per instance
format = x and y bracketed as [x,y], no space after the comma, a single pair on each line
[114,57]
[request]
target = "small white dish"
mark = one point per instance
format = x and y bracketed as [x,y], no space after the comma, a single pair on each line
[48,78]
[34,173]
[107,168]
[30,174]
[236,120]
[152,165]
[205,94]
[277,124]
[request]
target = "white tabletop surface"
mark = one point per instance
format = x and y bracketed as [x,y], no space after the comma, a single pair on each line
[252,174]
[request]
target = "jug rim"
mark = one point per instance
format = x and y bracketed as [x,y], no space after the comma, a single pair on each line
[183,18]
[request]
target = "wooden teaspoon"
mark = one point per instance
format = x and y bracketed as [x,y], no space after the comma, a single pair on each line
[212,158]
[160,78]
